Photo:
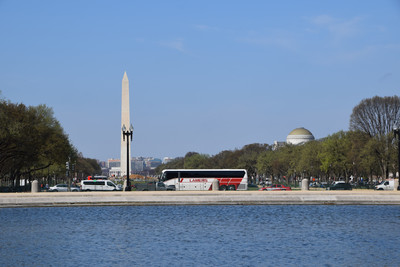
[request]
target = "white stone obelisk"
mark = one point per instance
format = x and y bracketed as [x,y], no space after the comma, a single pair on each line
[125,120]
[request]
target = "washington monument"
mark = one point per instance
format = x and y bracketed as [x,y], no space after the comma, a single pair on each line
[125,121]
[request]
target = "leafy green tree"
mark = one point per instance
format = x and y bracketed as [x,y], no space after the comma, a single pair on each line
[31,140]
[248,156]
[226,159]
[288,158]
[177,163]
[356,144]
[197,161]
[335,155]
[264,163]
[86,166]
[369,162]
[308,161]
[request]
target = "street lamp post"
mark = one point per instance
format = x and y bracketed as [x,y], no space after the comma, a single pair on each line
[128,134]
[396,131]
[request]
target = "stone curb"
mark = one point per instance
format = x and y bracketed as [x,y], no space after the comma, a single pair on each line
[72,199]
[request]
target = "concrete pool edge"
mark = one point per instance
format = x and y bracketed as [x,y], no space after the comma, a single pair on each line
[75,199]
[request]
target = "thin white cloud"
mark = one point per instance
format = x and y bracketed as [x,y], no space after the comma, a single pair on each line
[338,28]
[276,38]
[352,55]
[203,27]
[277,41]
[360,53]
[272,38]
[322,20]
[140,40]
[175,44]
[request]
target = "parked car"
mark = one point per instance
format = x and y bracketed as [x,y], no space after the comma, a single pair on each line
[338,182]
[385,185]
[340,186]
[254,186]
[171,187]
[98,185]
[63,188]
[276,187]
[154,186]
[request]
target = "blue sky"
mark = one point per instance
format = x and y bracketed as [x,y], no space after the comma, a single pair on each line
[205,76]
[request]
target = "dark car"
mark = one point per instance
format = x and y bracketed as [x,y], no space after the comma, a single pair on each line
[252,187]
[340,186]
[151,186]
[171,187]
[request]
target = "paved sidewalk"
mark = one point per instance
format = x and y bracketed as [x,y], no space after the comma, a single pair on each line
[57,199]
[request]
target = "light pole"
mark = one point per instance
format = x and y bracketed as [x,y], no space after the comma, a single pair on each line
[67,173]
[396,131]
[128,134]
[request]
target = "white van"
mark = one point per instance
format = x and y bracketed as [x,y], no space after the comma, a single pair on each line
[98,185]
[338,182]
[385,185]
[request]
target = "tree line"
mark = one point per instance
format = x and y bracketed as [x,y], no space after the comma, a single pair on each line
[33,145]
[368,149]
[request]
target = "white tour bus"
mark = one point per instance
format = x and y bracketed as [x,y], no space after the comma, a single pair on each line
[202,179]
[98,185]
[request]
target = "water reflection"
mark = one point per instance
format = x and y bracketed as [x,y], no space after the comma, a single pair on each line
[201,236]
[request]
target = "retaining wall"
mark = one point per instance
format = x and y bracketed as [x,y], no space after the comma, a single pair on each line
[56,199]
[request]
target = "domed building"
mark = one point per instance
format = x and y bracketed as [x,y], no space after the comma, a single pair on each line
[299,136]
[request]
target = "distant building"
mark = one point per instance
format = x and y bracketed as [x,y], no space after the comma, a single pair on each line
[152,163]
[299,136]
[114,172]
[166,160]
[296,137]
[278,144]
[103,164]
[138,165]
[111,163]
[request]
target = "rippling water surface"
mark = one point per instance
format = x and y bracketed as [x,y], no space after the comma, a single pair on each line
[201,236]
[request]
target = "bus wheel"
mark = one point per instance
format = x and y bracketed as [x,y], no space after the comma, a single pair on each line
[231,187]
[222,187]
